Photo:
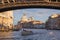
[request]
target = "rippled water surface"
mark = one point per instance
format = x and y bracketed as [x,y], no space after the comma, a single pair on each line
[41,34]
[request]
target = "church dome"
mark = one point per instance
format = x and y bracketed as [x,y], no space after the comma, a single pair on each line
[24,18]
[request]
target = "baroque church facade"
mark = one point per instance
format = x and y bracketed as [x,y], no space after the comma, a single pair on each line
[29,22]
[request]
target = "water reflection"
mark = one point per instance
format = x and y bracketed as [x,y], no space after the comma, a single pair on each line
[5,34]
[44,35]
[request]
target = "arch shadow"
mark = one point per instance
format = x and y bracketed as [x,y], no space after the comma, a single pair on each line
[26,7]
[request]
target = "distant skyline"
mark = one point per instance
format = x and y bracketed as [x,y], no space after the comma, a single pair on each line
[40,14]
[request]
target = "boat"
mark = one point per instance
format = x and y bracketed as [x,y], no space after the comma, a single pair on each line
[26,33]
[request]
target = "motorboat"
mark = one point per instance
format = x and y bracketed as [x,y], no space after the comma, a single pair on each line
[26,32]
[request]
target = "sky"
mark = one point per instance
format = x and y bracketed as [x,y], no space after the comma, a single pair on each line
[40,14]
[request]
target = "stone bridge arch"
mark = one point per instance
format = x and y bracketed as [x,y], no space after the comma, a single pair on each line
[20,4]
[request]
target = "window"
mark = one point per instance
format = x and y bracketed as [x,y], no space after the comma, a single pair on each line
[11,17]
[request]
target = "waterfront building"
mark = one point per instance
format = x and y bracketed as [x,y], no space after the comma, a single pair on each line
[29,22]
[53,22]
[6,19]
[38,24]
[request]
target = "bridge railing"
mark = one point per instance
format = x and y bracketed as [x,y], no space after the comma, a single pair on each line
[21,3]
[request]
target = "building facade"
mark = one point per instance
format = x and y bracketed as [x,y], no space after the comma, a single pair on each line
[30,22]
[53,22]
[6,19]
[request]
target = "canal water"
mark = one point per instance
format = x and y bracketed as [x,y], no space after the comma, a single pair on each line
[41,34]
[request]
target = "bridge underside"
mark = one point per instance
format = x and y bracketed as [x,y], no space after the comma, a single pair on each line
[14,6]
[26,7]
